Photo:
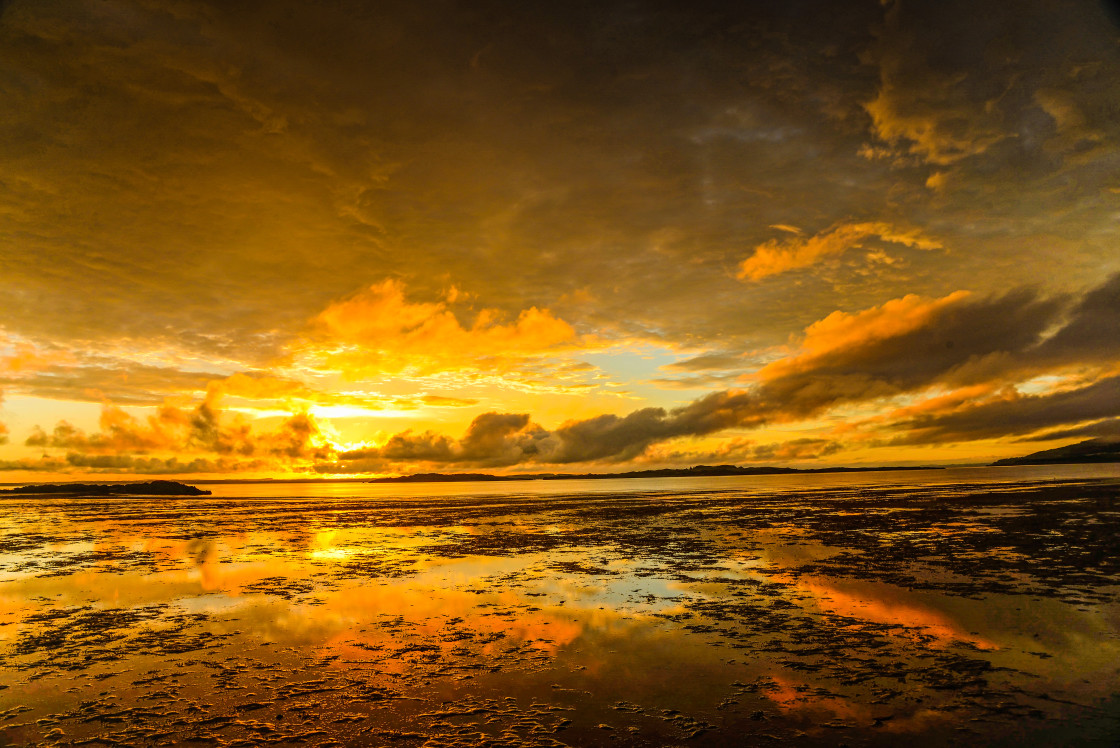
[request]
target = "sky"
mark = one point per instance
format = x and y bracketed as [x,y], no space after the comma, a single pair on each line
[266,239]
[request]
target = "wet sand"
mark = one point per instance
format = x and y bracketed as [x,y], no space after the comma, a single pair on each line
[961,614]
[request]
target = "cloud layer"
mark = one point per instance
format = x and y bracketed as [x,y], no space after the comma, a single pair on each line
[958,344]
[604,231]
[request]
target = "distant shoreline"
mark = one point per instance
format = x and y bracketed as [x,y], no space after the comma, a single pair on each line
[699,471]
[175,488]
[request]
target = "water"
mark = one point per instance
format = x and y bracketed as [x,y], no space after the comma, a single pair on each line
[964,606]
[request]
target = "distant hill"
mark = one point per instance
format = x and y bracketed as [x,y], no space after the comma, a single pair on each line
[695,471]
[150,488]
[1101,449]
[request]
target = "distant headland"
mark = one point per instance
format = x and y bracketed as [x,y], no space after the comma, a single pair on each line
[691,472]
[150,488]
[1101,449]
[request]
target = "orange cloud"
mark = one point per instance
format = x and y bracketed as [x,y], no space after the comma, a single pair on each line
[779,255]
[843,333]
[379,330]
[945,403]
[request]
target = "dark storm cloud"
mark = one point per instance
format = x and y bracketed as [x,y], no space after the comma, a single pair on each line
[614,437]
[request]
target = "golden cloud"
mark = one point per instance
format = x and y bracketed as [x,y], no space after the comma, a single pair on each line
[780,255]
[378,330]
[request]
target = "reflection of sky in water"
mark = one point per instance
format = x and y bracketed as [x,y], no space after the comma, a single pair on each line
[663,617]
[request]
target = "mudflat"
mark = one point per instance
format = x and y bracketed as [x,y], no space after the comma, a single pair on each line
[867,615]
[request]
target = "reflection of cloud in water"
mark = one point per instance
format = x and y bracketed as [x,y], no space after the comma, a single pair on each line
[429,610]
[886,604]
[805,700]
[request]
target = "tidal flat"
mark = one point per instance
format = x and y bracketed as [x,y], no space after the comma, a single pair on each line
[710,613]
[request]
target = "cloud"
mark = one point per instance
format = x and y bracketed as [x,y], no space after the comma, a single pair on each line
[740,449]
[99,378]
[492,439]
[442,401]
[506,439]
[930,102]
[780,255]
[1091,331]
[280,168]
[43,464]
[23,356]
[797,449]
[697,382]
[1019,86]
[1014,413]
[297,396]
[379,330]
[3,427]
[1106,427]
[615,438]
[905,346]
[181,431]
[77,462]
[963,349]
[109,378]
[708,362]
